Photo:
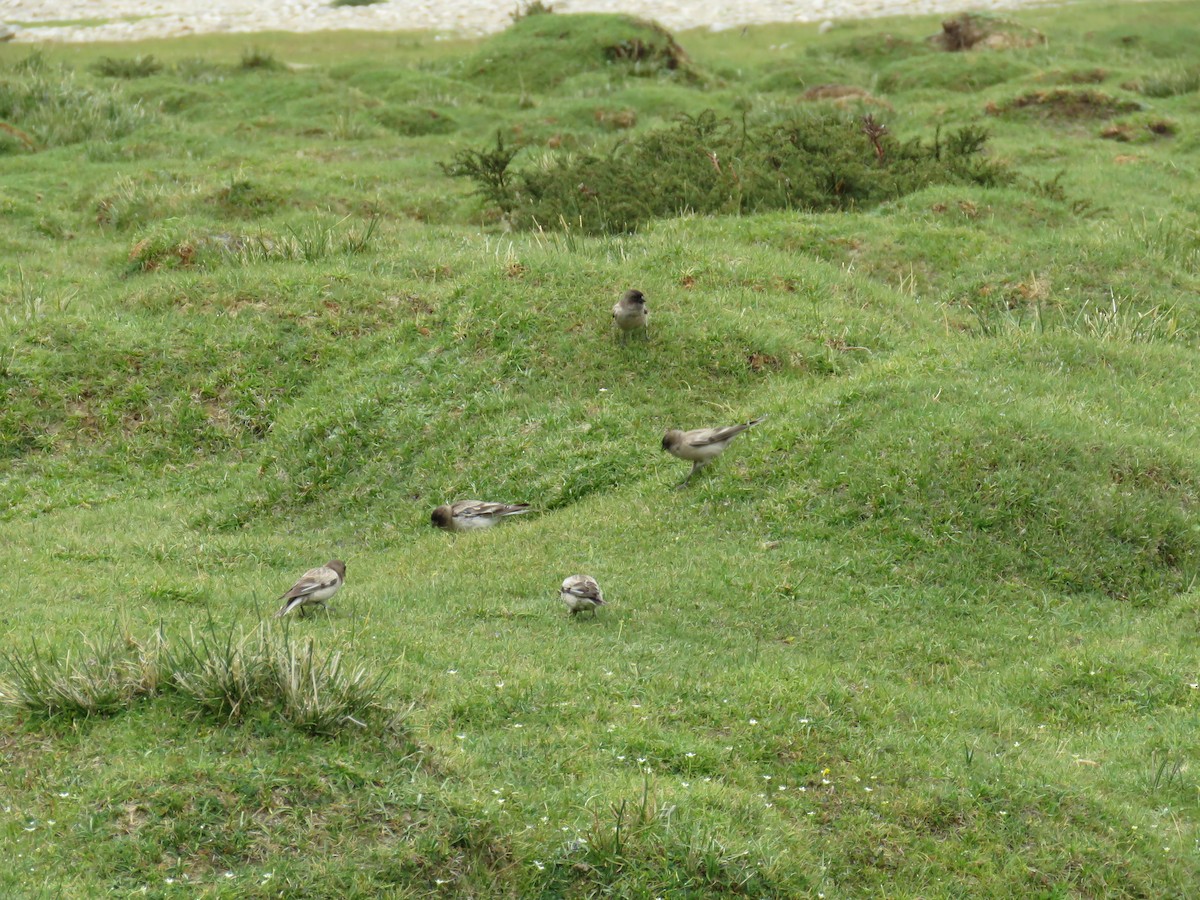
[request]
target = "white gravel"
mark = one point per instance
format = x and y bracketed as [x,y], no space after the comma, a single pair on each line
[124,20]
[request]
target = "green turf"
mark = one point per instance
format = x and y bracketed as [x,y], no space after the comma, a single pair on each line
[927,631]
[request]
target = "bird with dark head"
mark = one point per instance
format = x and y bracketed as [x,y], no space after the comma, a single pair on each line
[471,515]
[629,314]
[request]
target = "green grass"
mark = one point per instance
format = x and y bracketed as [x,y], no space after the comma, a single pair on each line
[928,631]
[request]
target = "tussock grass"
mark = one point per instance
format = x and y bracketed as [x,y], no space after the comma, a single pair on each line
[136,67]
[46,102]
[229,676]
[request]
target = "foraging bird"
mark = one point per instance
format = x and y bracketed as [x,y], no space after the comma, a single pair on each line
[315,586]
[629,314]
[471,515]
[581,592]
[702,445]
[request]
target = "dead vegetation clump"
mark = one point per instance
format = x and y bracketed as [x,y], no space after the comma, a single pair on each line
[971,31]
[842,94]
[1125,132]
[1065,104]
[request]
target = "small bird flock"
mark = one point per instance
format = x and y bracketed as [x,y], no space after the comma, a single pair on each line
[580,593]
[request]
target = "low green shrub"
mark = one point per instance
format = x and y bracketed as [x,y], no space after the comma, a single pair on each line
[710,165]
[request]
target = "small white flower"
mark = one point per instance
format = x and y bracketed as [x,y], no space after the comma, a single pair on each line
[452,671]
[686,783]
[541,866]
[754,721]
[61,794]
[619,757]
[641,759]
[868,789]
[461,737]
[804,721]
[170,880]
[689,754]
[228,874]
[499,684]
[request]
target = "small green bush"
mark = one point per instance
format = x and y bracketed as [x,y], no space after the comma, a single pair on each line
[709,165]
[254,58]
[137,67]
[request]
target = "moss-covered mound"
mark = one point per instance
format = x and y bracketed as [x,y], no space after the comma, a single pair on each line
[541,51]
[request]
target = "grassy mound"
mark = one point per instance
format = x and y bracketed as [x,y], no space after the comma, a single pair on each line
[540,51]
[1007,483]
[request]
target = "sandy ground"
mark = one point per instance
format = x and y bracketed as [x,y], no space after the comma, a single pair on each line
[121,20]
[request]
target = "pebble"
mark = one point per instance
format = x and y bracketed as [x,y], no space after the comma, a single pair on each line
[124,20]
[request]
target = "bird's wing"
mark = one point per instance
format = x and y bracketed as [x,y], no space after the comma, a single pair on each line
[587,590]
[492,509]
[707,436]
[312,581]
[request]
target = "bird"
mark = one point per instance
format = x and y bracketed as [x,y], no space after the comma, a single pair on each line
[629,314]
[471,515]
[581,592]
[702,445]
[315,586]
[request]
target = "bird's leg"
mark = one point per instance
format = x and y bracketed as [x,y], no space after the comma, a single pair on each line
[695,468]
